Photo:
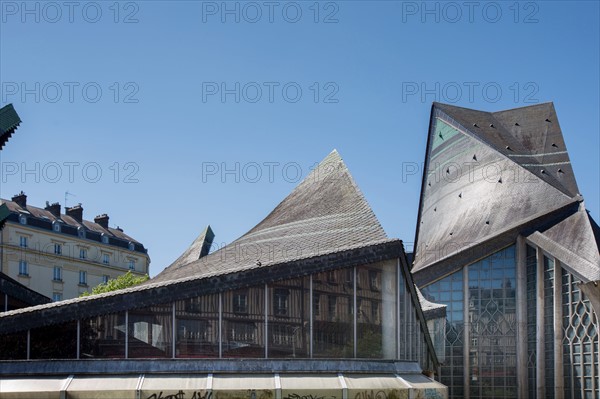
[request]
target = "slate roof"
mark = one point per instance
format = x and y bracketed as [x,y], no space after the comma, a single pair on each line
[489,177]
[9,121]
[67,220]
[325,213]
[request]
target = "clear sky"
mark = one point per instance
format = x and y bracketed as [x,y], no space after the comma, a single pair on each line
[173,115]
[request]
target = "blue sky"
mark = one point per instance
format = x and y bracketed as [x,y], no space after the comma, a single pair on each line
[173,115]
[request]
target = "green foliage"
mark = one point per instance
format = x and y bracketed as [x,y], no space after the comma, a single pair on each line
[123,281]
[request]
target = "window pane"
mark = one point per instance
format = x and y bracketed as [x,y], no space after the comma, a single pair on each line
[103,336]
[197,327]
[333,324]
[376,315]
[13,346]
[151,332]
[243,322]
[54,342]
[289,318]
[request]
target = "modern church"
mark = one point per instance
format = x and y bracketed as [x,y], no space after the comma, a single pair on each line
[317,301]
[504,240]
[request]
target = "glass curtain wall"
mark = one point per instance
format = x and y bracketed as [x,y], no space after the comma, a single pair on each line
[345,313]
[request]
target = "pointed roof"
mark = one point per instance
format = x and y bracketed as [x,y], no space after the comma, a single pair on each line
[530,136]
[489,176]
[325,213]
[198,249]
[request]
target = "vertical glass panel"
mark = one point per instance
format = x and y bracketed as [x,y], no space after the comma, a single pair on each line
[197,327]
[531,267]
[492,330]
[580,341]
[452,371]
[13,346]
[333,324]
[376,292]
[244,322]
[549,323]
[151,332]
[289,316]
[54,342]
[103,336]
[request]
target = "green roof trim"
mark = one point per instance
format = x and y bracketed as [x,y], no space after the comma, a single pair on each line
[9,121]
[4,212]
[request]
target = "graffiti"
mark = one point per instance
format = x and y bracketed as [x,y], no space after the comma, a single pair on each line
[371,395]
[178,395]
[309,396]
[200,395]
[390,394]
[181,395]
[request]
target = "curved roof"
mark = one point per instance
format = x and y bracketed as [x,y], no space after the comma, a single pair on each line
[490,176]
[325,213]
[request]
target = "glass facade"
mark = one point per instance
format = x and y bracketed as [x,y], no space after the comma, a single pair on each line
[490,326]
[289,318]
[580,342]
[531,267]
[345,313]
[103,337]
[493,326]
[333,310]
[150,332]
[449,291]
[243,328]
[197,327]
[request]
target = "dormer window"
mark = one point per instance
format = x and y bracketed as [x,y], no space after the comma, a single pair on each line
[104,239]
[81,232]
[131,246]
[23,219]
[56,227]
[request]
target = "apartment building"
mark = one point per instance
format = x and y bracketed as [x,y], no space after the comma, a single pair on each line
[60,255]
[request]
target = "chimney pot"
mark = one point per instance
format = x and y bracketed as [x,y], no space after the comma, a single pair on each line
[20,199]
[76,212]
[102,220]
[53,208]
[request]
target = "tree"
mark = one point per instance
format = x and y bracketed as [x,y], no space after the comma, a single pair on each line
[123,281]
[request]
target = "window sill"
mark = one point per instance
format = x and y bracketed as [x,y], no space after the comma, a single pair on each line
[24,275]
[57,281]
[82,284]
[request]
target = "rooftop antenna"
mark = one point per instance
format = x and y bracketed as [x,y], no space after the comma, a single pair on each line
[67,194]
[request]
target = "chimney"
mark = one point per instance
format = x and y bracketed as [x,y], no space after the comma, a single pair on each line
[20,199]
[102,220]
[76,212]
[53,208]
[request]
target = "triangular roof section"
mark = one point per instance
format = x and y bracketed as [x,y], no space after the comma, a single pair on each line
[484,180]
[575,241]
[325,213]
[530,136]
[198,249]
